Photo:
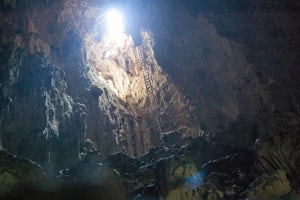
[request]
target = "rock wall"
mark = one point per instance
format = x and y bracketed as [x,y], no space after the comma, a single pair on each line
[67,90]
[39,119]
[236,72]
[126,102]
[81,93]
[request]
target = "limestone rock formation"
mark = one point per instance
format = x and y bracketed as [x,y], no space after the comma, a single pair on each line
[179,178]
[189,86]
[17,172]
[236,64]
[93,172]
[39,119]
[207,191]
[127,102]
[171,172]
[269,186]
[163,173]
[279,150]
[125,116]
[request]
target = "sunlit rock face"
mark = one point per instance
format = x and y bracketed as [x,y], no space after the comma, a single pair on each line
[121,119]
[97,97]
[226,71]
[116,67]
[205,74]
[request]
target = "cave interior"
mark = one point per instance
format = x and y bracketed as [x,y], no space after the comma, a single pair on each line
[146,100]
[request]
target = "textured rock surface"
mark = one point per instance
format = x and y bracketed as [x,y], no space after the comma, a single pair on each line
[207,192]
[88,179]
[91,171]
[17,172]
[163,173]
[227,71]
[126,103]
[105,77]
[237,81]
[39,119]
[171,173]
[269,186]
[280,150]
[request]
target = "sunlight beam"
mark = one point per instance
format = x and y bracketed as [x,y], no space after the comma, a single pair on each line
[114,23]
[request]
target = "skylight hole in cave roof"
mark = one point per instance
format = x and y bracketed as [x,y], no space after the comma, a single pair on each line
[114,22]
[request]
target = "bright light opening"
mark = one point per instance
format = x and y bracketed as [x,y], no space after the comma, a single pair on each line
[114,23]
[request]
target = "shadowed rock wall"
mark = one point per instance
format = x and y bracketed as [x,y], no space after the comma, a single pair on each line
[228,68]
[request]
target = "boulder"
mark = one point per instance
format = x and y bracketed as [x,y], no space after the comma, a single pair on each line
[17,172]
[269,186]
[280,149]
[94,175]
[171,172]
[207,191]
